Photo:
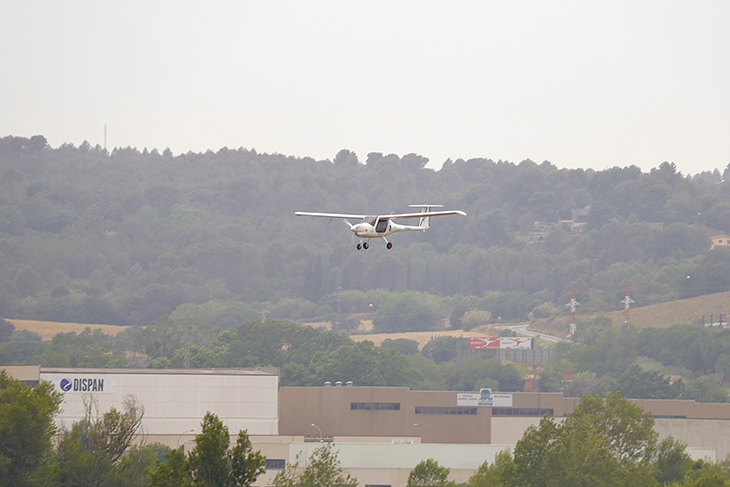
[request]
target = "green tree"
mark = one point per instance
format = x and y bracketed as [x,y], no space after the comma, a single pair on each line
[212,463]
[364,364]
[673,462]
[707,388]
[173,472]
[471,372]
[26,429]
[496,475]
[135,467]
[323,469]
[719,217]
[89,453]
[6,330]
[611,443]
[404,346]
[474,318]
[429,473]
[722,366]
[87,349]
[646,384]
[28,281]
[409,311]
[553,374]
[444,348]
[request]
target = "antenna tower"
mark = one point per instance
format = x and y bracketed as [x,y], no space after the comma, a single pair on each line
[627,302]
[573,304]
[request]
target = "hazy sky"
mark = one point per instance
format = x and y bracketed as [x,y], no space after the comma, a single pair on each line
[579,83]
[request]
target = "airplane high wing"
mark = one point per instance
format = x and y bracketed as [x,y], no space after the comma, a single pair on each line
[380,226]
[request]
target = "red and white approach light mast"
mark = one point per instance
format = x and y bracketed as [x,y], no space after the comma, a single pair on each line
[573,304]
[627,302]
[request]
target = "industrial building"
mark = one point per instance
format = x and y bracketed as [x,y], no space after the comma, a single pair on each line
[381,433]
[174,401]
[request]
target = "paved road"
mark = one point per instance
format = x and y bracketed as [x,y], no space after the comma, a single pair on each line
[522,329]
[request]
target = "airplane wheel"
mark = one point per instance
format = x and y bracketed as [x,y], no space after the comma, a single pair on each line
[389,245]
[359,246]
[365,245]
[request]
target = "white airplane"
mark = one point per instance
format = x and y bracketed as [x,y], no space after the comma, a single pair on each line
[380,226]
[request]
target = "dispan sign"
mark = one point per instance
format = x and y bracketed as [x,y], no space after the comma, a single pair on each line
[86,384]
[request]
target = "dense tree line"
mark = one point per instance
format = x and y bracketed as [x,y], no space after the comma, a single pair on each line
[305,356]
[127,236]
[604,357]
[682,361]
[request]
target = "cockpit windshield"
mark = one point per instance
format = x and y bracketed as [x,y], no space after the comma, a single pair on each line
[370,219]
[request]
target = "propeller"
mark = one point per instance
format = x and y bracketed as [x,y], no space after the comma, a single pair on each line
[353,237]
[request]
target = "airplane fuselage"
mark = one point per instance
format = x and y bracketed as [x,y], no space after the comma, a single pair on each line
[375,227]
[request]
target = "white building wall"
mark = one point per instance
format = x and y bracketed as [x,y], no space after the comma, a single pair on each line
[698,434]
[508,430]
[177,401]
[388,464]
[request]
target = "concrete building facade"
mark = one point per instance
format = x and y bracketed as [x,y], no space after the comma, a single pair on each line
[435,417]
[174,401]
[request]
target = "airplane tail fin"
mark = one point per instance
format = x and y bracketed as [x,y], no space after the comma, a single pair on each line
[425,221]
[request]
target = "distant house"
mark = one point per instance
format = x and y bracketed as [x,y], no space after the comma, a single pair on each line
[580,215]
[720,241]
[540,230]
[578,219]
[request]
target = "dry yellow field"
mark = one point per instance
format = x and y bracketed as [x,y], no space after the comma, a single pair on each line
[422,337]
[48,329]
[682,311]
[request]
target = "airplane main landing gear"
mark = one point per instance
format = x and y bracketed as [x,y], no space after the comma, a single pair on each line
[389,245]
[365,245]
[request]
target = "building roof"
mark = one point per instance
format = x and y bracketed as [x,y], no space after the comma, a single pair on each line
[242,371]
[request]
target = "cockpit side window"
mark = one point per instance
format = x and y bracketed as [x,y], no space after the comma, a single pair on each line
[382,226]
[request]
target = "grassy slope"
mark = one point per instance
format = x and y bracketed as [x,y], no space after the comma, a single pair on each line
[664,315]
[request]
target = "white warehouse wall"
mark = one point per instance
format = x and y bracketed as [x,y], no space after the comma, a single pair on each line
[175,401]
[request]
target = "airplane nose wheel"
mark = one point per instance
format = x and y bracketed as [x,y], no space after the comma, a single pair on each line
[389,245]
[359,246]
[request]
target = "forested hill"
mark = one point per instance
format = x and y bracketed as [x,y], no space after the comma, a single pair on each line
[128,236]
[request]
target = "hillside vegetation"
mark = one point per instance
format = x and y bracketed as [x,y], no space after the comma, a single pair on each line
[128,236]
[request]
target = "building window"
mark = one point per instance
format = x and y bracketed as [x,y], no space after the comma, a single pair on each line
[375,406]
[275,464]
[445,410]
[522,412]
